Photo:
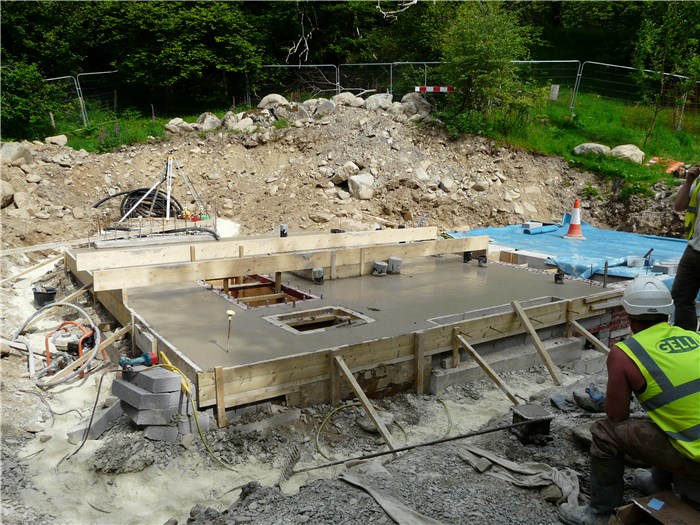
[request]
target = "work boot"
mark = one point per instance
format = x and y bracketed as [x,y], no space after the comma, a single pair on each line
[651,482]
[607,487]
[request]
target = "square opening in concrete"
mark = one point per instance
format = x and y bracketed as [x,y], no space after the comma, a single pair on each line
[255,291]
[318,320]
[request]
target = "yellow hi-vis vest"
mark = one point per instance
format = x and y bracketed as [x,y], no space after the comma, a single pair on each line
[692,211]
[669,359]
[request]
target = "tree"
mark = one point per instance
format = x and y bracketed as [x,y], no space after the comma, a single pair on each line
[666,55]
[479,47]
[25,102]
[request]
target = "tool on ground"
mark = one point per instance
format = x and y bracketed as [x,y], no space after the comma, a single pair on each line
[146,359]
[230,314]
[593,400]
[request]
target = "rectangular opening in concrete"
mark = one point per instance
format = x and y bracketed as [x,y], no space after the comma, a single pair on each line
[256,291]
[318,320]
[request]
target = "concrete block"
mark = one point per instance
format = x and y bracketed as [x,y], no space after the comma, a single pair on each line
[102,421]
[161,433]
[141,399]
[623,332]
[665,267]
[149,417]
[158,380]
[591,362]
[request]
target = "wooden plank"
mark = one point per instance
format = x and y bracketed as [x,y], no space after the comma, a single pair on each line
[266,297]
[590,337]
[31,269]
[553,369]
[419,348]
[603,296]
[278,281]
[220,401]
[90,259]
[369,409]
[487,368]
[219,269]
[80,291]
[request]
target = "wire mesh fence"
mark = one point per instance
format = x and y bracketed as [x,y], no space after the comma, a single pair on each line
[579,86]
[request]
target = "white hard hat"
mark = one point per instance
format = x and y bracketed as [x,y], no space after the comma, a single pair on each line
[647,295]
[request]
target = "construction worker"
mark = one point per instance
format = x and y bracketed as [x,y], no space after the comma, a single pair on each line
[660,364]
[686,285]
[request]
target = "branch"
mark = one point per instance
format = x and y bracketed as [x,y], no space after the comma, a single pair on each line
[403,6]
[302,43]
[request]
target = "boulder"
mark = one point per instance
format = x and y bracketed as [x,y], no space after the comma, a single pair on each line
[319,107]
[7,193]
[243,124]
[417,101]
[591,148]
[208,122]
[272,101]
[361,186]
[348,99]
[379,102]
[58,140]
[10,152]
[628,152]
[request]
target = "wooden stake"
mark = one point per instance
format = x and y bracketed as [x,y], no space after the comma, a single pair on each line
[371,413]
[553,369]
[455,348]
[419,349]
[592,338]
[487,368]
[220,401]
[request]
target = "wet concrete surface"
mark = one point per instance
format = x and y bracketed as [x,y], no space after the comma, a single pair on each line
[194,320]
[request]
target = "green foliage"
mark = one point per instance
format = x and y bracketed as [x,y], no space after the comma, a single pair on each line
[26,102]
[478,48]
[109,134]
[281,123]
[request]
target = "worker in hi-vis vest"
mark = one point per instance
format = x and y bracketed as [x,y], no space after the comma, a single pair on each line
[660,365]
[686,285]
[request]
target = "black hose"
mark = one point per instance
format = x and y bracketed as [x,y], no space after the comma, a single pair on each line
[154,205]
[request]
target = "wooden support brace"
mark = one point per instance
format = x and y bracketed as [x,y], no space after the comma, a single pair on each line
[334,267]
[371,413]
[193,254]
[553,369]
[226,285]
[80,291]
[419,350]
[220,402]
[590,337]
[487,368]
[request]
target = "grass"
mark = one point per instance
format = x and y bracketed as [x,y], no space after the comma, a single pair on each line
[555,131]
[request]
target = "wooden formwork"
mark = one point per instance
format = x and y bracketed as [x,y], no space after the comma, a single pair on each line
[396,363]
[312,377]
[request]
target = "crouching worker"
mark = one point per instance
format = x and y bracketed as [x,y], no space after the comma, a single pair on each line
[660,364]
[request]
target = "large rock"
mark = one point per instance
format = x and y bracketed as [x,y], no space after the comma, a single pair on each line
[344,172]
[58,140]
[348,99]
[591,148]
[418,102]
[629,152]
[361,186]
[243,124]
[379,102]
[11,152]
[272,101]
[291,112]
[208,122]
[319,107]
[7,193]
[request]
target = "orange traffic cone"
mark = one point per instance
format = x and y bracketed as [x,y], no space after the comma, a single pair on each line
[575,224]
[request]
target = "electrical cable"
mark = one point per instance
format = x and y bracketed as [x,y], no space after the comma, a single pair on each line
[51,410]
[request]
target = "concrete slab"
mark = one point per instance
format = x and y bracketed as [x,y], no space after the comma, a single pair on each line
[193,319]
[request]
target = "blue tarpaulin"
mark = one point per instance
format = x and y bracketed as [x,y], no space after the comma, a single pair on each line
[585,258]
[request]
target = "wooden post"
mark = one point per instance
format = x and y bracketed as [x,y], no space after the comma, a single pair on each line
[278,281]
[334,269]
[487,368]
[592,338]
[193,254]
[226,285]
[220,402]
[371,413]
[569,316]
[553,369]
[455,348]
[419,349]
[333,380]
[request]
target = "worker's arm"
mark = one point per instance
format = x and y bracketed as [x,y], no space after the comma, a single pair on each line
[683,196]
[624,378]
